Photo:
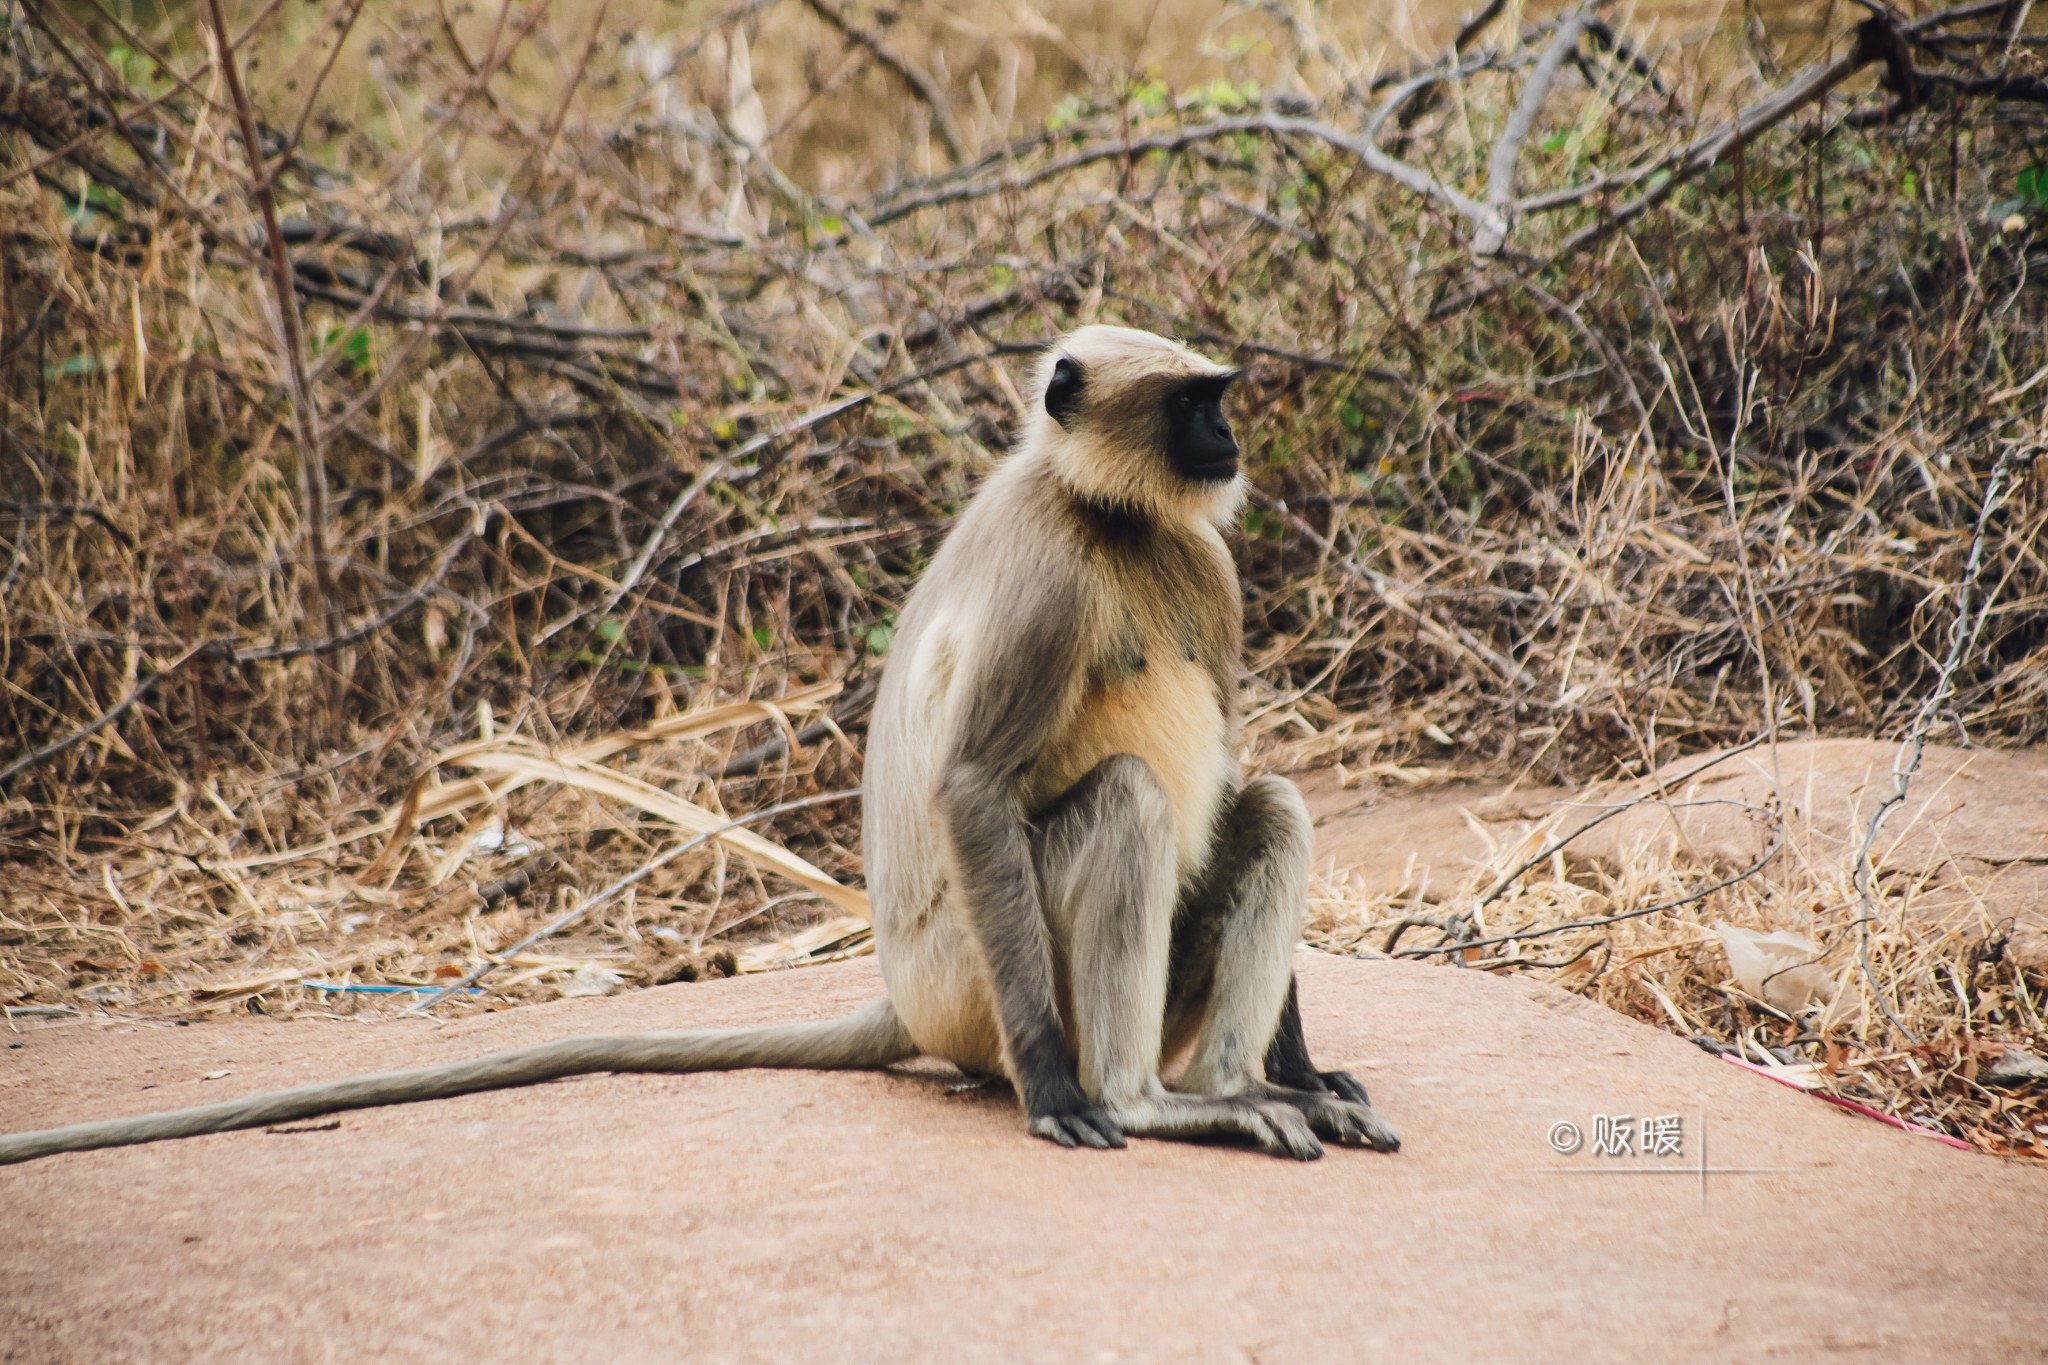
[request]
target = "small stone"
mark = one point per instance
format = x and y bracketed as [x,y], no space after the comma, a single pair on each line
[591,980]
[2015,1066]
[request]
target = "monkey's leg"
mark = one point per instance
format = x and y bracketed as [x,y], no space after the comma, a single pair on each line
[1106,860]
[1288,1062]
[1232,979]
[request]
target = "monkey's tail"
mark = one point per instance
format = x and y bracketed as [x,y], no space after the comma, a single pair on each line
[871,1036]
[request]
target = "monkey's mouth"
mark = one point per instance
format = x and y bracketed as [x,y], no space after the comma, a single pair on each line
[1215,471]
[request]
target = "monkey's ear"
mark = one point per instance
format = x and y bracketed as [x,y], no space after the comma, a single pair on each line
[1063,391]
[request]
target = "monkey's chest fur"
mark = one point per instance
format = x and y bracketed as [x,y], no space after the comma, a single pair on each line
[1159,706]
[1158,689]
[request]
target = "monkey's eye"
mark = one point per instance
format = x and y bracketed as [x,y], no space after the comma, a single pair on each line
[1185,402]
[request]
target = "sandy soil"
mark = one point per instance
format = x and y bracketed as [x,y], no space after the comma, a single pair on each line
[795,1216]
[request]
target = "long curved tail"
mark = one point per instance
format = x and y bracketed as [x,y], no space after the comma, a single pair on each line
[871,1036]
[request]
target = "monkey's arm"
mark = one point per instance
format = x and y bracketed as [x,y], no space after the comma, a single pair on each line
[1022,680]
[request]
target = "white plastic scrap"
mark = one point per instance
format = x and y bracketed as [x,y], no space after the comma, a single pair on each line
[495,838]
[1782,969]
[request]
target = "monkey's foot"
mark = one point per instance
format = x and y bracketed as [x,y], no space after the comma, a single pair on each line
[1277,1129]
[1335,1115]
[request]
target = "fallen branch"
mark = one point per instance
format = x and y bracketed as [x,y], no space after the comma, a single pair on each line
[1556,846]
[612,892]
[1763,861]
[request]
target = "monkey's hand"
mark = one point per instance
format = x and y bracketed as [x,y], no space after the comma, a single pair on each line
[1073,1120]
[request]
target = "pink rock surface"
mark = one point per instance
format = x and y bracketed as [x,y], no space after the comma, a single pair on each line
[823,1217]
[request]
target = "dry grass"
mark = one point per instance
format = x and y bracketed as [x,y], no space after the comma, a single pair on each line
[1938,966]
[644,358]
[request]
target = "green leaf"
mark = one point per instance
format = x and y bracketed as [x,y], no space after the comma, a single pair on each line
[1221,94]
[1068,110]
[94,198]
[1555,143]
[352,343]
[1261,524]
[2032,185]
[611,631]
[1151,96]
[1351,415]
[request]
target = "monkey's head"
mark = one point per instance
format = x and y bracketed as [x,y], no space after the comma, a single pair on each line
[1133,418]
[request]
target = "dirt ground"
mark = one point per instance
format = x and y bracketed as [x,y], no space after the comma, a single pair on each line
[799,1216]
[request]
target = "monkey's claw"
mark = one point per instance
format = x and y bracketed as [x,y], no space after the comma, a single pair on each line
[1281,1130]
[1354,1125]
[1346,1086]
[1083,1128]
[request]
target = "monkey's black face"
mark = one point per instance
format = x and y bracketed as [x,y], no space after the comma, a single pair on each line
[1198,440]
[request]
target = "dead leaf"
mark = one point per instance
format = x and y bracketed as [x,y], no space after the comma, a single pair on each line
[745,115]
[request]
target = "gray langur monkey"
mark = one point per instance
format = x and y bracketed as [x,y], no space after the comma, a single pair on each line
[1073,885]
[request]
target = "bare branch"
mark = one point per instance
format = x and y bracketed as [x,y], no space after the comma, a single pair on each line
[1368,154]
[631,879]
[1667,174]
[1391,592]
[1963,631]
[305,415]
[912,75]
[1763,860]
[1507,152]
